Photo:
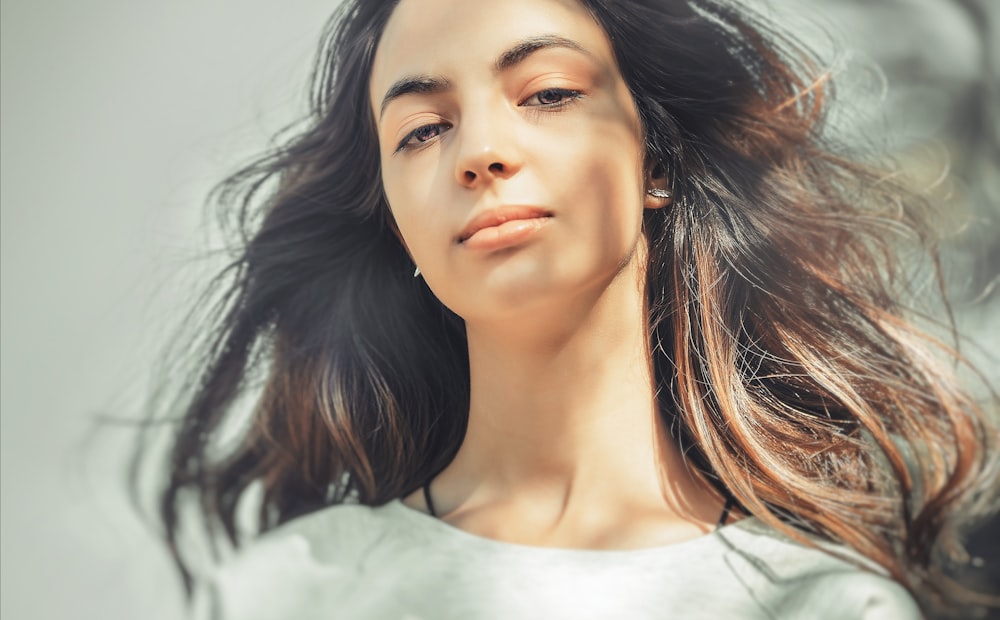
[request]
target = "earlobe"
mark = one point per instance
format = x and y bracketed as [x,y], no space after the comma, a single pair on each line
[658,194]
[657,198]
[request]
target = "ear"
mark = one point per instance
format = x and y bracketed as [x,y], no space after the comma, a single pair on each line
[658,194]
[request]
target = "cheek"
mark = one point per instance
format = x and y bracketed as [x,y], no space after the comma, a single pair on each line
[604,145]
[602,168]
[409,194]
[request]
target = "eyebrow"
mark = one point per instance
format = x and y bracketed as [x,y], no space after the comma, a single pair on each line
[419,85]
[507,60]
[526,47]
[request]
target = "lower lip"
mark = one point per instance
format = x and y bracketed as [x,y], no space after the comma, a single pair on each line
[505,235]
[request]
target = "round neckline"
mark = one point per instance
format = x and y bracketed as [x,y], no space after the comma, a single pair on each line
[429,522]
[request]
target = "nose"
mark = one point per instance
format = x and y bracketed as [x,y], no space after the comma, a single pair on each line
[487,152]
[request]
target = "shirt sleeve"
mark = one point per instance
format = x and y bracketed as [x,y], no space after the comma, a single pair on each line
[890,603]
[850,596]
[280,579]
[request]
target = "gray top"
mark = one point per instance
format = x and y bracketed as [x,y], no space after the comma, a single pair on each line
[395,563]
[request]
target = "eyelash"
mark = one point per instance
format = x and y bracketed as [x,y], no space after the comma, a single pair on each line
[568,97]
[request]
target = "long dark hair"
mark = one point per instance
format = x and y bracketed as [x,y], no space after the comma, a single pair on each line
[785,364]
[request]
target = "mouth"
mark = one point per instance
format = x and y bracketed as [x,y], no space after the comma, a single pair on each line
[503,226]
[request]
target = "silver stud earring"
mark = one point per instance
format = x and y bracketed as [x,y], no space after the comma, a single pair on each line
[659,193]
[416,271]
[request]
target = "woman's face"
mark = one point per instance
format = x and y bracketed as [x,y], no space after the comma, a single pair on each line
[511,150]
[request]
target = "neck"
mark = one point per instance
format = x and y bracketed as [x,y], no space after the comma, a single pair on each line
[563,415]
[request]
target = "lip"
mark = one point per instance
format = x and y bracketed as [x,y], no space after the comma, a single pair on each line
[502,226]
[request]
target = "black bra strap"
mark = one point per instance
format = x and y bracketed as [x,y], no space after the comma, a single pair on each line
[730,503]
[427,498]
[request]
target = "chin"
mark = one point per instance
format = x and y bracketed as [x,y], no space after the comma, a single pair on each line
[520,289]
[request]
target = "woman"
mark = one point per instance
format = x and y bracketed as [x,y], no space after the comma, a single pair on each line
[563,308]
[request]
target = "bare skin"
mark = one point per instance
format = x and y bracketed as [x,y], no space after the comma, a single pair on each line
[528,110]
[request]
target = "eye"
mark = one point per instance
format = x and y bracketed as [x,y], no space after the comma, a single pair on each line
[421,135]
[552,97]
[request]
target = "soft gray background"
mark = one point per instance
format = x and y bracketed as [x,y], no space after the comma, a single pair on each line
[117,119]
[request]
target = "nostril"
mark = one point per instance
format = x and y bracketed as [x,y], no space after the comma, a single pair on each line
[496,167]
[470,176]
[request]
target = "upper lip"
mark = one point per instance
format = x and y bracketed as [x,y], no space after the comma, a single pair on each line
[499,215]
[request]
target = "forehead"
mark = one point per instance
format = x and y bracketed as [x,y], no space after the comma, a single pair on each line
[447,37]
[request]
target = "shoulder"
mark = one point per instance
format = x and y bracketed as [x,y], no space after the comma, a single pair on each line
[793,579]
[291,570]
[329,536]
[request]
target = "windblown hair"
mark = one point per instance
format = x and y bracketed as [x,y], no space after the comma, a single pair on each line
[785,364]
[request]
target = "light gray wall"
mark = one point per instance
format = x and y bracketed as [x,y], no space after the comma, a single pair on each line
[117,118]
